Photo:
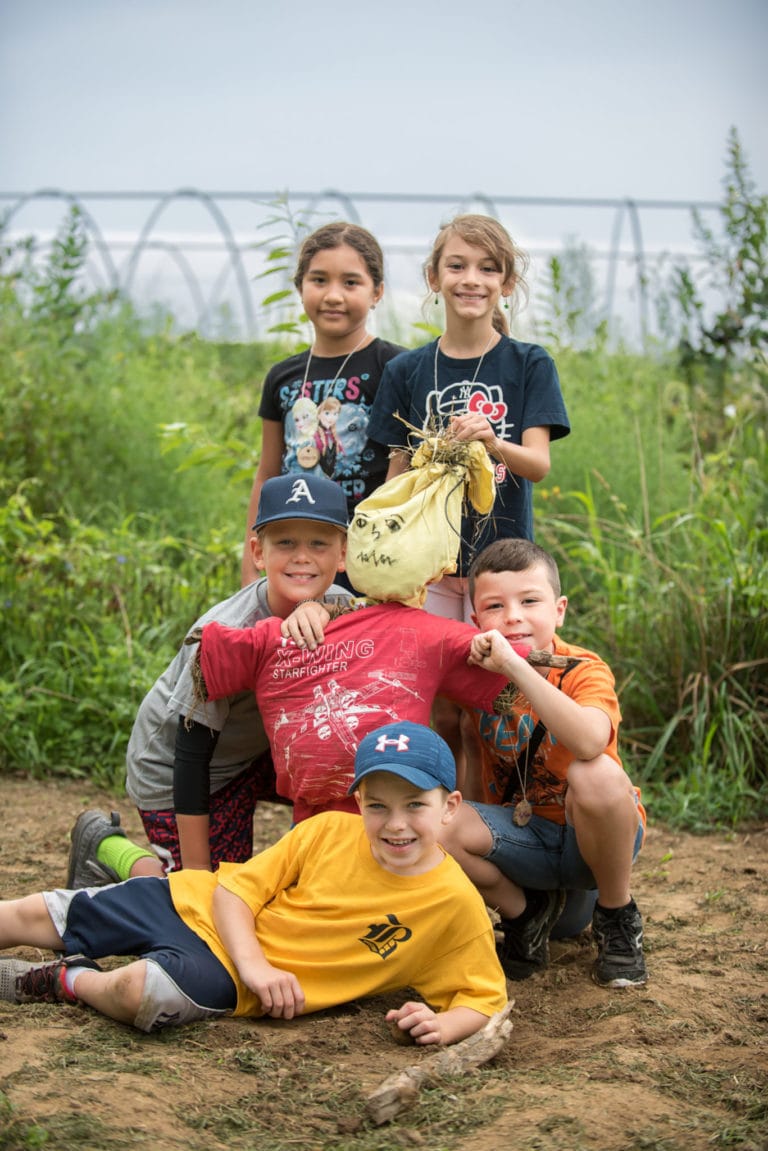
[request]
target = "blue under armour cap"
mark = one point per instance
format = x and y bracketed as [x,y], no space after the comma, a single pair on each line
[296,497]
[410,750]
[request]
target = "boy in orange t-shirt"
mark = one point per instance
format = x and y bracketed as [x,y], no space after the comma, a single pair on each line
[561,814]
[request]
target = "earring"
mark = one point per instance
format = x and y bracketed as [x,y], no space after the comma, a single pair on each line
[506,303]
[437,300]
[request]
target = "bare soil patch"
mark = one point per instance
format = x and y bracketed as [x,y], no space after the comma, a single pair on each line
[681,1065]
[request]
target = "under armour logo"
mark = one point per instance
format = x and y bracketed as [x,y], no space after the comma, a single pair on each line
[300,491]
[399,744]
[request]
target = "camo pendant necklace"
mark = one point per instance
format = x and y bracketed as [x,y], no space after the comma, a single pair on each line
[523,810]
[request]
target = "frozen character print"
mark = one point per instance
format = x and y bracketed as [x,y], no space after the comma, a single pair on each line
[301,425]
[326,439]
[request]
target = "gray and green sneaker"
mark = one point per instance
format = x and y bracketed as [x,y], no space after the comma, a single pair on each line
[91,827]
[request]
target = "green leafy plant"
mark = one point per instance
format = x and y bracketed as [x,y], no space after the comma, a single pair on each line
[571,316]
[723,314]
[282,247]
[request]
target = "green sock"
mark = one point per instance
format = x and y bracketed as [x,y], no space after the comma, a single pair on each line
[120,854]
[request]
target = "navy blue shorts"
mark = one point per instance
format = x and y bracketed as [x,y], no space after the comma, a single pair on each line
[138,918]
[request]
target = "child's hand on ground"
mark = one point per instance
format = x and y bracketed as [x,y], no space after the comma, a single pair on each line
[279,991]
[418,1021]
[305,624]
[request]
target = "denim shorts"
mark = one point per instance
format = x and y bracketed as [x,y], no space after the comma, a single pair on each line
[542,855]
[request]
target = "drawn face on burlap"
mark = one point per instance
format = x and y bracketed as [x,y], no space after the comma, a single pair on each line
[376,535]
[407,533]
[399,542]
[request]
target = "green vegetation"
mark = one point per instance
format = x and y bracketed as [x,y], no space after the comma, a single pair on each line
[128,453]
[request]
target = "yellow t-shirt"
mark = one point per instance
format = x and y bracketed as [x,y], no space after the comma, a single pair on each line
[346,928]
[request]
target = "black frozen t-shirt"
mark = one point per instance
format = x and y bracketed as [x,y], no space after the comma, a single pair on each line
[325,417]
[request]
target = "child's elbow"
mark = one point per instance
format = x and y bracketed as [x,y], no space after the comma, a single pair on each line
[587,749]
[540,469]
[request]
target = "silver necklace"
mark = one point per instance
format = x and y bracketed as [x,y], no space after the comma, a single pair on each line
[347,358]
[469,383]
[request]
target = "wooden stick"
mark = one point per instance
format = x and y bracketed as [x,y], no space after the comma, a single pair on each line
[400,1090]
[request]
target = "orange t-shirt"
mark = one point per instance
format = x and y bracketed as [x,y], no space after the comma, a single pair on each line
[505,737]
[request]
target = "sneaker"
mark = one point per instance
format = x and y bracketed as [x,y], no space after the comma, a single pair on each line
[22,982]
[619,939]
[84,868]
[524,946]
[10,969]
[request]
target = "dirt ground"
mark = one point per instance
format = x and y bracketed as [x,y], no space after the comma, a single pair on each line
[680,1065]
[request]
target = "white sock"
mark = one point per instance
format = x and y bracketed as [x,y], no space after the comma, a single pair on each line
[70,978]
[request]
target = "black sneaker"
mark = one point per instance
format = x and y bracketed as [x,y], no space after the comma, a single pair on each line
[91,827]
[41,982]
[524,948]
[619,938]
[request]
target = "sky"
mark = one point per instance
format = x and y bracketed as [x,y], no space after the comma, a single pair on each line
[555,98]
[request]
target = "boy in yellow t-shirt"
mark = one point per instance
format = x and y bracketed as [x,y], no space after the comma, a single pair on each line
[287,932]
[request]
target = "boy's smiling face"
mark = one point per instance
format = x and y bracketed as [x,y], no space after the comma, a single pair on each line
[521,605]
[403,824]
[300,558]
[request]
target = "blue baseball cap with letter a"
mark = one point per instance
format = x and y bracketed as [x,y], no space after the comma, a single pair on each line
[410,750]
[295,497]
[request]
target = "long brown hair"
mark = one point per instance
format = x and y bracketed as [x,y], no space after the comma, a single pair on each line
[487,233]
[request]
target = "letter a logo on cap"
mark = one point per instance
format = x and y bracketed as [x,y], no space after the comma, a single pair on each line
[299,491]
[400,744]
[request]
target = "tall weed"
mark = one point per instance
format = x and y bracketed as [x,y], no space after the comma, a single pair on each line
[90,617]
[678,605]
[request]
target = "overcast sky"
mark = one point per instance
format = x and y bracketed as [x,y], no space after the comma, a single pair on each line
[541,97]
[529,98]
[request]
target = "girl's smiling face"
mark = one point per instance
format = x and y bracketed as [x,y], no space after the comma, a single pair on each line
[338,292]
[470,279]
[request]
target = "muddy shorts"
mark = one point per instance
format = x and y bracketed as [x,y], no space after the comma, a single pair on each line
[137,918]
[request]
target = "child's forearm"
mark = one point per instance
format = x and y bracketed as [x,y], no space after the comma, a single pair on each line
[457,1023]
[529,459]
[585,731]
[279,991]
[194,841]
[234,923]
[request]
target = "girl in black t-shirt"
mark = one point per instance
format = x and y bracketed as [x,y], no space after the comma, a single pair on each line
[315,405]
